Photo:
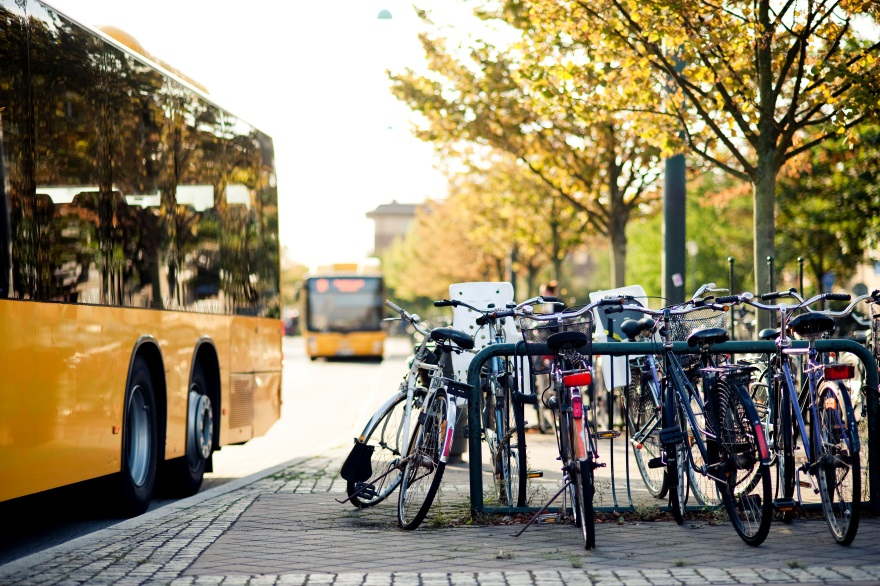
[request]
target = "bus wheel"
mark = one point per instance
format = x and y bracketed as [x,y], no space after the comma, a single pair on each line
[184,475]
[139,442]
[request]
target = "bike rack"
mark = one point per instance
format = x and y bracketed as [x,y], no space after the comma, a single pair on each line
[639,348]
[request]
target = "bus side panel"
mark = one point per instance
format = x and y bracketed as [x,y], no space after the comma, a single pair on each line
[45,440]
[253,395]
[63,376]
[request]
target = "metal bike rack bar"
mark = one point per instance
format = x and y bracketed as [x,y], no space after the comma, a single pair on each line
[627,348]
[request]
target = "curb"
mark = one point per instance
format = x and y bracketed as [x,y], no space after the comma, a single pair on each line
[133,523]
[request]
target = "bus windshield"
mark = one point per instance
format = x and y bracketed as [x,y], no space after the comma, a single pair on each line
[344,304]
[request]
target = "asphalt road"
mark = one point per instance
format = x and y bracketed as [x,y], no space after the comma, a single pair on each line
[324,404]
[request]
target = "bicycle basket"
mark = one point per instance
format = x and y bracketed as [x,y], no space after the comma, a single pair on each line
[683,325]
[536,331]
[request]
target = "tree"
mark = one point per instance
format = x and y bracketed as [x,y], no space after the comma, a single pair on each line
[593,159]
[751,83]
[829,206]
[496,217]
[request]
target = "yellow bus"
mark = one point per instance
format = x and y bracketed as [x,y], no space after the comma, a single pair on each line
[139,268]
[343,308]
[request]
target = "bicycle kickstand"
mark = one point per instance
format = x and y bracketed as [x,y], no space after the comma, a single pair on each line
[543,509]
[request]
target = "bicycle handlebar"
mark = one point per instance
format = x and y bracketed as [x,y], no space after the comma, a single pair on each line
[492,313]
[750,299]
[410,317]
[778,294]
[395,308]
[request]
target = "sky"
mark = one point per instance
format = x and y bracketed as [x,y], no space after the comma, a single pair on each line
[312,76]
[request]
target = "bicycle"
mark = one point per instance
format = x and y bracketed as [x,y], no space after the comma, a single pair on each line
[642,400]
[386,443]
[714,435]
[501,403]
[569,336]
[830,444]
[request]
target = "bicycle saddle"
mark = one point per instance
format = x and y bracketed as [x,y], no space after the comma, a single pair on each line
[769,333]
[707,336]
[633,328]
[563,340]
[811,324]
[457,337]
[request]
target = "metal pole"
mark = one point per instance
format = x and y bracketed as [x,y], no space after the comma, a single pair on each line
[730,262]
[801,276]
[674,207]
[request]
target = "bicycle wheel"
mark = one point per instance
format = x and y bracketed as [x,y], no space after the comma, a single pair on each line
[701,486]
[584,491]
[641,416]
[386,437]
[494,425]
[739,460]
[838,469]
[676,457]
[516,444]
[424,470]
[784,446]
[564,439]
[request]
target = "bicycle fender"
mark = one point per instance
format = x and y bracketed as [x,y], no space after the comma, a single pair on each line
[755,421]
[449,435]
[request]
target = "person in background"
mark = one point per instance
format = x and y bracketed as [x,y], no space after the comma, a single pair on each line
[549,289]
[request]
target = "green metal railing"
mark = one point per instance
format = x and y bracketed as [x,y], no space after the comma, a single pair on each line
[474,430]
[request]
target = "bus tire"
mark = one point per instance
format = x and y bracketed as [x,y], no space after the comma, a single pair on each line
[182,477]
[140,442]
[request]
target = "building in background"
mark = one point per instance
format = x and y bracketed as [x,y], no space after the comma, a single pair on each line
[392,221]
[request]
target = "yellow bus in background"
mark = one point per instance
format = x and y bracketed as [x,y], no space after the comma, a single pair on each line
[343,310]
[139,268]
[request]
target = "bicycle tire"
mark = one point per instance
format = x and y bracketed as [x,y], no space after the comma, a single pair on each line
[739,458]
[424,469]
[677,460]
[519,466]
[494,422]
[838,472]
[386,437]
[784,441]
[585,490]
[566,456]
[701,486]
[639,410]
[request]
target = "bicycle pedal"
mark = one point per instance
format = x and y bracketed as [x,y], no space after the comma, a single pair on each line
[365,490]
[784,504]
[608,434]
[547,518]
[656,463]
[536,474]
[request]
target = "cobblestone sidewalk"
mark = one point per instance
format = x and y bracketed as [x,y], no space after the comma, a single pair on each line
[285,527]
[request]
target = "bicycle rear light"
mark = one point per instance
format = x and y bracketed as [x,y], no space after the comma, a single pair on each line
[763,449]
[839,371]
[580,379]
[577,407]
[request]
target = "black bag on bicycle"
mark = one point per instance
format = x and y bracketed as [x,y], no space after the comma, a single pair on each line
[357,467]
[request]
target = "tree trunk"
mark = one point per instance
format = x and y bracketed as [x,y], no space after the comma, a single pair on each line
[617,240]
[764,225]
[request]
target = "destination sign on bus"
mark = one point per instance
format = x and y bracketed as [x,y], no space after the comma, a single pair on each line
[340,285]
